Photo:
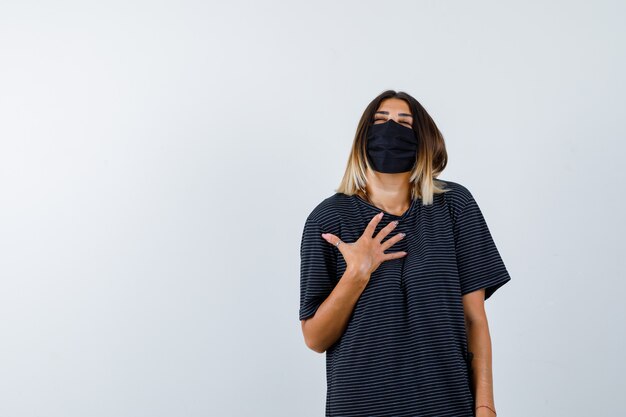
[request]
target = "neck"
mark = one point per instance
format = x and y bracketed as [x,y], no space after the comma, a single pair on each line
[389,192]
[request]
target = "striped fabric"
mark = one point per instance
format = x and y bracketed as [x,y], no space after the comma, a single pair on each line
[404,351]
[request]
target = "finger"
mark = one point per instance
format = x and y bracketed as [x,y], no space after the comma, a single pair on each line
[385,231]
[333,240]
[392,241]
[371,227]
[394,255]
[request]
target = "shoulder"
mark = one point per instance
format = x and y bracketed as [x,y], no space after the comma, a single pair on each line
[327,213]
[457,195]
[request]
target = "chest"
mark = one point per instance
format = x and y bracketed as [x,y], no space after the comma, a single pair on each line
[427,271]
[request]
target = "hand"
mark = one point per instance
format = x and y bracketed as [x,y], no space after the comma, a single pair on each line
[367,253]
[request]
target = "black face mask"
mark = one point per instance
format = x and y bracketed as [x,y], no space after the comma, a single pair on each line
[391,147]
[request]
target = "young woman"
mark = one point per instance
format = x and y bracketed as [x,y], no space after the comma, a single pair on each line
[395,269]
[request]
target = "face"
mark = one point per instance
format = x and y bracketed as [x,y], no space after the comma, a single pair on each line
[396,110]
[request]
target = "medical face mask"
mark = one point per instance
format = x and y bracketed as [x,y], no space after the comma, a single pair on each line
[391,147]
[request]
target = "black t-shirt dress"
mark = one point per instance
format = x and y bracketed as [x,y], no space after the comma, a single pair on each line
[404,351]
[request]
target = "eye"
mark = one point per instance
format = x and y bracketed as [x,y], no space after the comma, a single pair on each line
[379,120]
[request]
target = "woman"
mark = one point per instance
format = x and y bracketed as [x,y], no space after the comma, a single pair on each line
[395,269]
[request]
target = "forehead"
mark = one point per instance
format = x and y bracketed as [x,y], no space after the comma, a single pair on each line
[392,106]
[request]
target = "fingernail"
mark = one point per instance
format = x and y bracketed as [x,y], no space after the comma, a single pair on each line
[381,214]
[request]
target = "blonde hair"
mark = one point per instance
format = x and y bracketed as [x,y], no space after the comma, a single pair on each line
[431,157]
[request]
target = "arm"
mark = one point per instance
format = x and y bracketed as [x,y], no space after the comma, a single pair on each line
[479,343]
[329,322]
[325,308]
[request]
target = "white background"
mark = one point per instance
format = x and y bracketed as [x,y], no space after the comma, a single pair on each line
[158,160]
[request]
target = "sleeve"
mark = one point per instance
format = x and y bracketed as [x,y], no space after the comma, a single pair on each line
[478,260]
[318,266]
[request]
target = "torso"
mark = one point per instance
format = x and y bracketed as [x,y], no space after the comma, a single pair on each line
[405,347]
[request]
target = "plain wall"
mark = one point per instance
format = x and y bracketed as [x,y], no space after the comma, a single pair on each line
[158,160]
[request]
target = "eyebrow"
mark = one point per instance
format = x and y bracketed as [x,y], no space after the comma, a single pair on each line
[399,114]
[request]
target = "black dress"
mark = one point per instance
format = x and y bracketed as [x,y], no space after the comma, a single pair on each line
[404,351]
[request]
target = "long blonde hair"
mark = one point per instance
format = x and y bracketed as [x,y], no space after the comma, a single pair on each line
[431,157]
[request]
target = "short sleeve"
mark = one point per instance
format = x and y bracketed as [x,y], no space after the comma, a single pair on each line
[318,265]
[478,260]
